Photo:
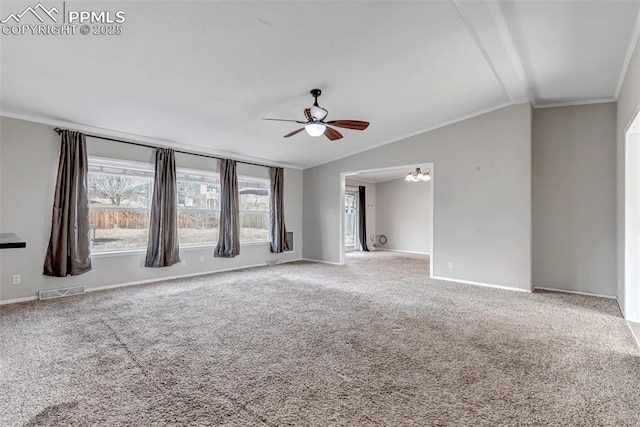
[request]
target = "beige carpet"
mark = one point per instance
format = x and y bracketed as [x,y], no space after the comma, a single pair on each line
[371,343]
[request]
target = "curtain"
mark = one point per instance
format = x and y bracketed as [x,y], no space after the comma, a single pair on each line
[277,229]
[68,251]
[163,246]
[362,218]
[229,226]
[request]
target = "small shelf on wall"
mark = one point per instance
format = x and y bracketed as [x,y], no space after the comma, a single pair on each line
[11,241]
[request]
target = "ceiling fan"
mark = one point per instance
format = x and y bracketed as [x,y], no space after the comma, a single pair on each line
[315,124]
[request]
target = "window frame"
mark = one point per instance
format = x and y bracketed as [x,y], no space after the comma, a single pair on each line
[143,169]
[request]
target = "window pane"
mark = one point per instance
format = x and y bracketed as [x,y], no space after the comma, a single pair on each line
[254,209]
[197,227]
[119,211]
[118,228]
[198,211]
[254,226]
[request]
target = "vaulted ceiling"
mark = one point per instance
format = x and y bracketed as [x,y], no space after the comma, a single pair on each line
[200,75]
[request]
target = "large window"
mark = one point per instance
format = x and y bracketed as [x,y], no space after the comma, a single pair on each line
[120,198]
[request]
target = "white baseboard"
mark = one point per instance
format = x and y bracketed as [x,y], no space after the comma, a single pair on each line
[403,252]
[621,307]
[567,291]
[153,280]
[15,300]
[633,334]
[320,261]
[484,285]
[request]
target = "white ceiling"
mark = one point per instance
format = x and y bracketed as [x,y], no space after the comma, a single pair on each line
[200,75]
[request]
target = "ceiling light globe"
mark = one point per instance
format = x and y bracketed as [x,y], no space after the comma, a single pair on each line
[315,129]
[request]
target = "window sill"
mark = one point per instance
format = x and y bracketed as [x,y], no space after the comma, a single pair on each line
[127,252]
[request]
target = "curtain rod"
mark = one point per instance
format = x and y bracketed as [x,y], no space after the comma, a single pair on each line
[59,131]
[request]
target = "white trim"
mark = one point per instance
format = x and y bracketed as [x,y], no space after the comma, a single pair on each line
[403,252]
[16,300]
[633,334]
[567,291]
[320,261]
[484,285]
[554,104]
[111,133]
[187,248]
[429,129]
[154,280]
[635,36]
[620,307]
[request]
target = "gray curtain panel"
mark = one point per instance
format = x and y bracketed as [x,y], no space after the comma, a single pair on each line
[277,229]
[163,248]
[229,226]
[362,218]
[68,251]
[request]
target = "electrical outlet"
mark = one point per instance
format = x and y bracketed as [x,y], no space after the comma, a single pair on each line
[183,263]
[202,259]
[450,265]
[17,279]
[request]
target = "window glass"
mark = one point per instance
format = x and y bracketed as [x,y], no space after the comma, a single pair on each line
[254,209]
[119,200]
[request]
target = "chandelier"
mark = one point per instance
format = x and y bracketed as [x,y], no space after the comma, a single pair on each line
[418,176]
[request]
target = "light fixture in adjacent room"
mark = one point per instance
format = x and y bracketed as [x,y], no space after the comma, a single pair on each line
[418,176]
[315,129]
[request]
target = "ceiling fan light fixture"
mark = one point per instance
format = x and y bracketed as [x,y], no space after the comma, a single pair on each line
[315,129]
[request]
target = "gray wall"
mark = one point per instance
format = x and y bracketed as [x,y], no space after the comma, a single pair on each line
[481,189]
[574,181]
[627,107]
[29,154]
[404,215]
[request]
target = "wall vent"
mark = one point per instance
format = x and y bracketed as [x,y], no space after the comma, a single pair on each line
[59,293]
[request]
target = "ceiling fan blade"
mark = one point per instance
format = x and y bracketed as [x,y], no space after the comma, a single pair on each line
[332,134]
[294,132]
[284,120]
[349,124]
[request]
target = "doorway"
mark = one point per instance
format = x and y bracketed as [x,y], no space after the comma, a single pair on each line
[393,218]
[350,220]
[632,222]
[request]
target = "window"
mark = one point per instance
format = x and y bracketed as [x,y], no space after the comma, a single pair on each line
[254,209]
[120,205]
[198,207]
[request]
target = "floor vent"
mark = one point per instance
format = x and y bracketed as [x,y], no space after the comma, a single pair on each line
[59,293]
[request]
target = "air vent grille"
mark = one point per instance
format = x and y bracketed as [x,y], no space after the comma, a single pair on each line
[59,293]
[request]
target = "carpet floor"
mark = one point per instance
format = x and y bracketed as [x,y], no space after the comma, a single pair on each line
[372,343]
